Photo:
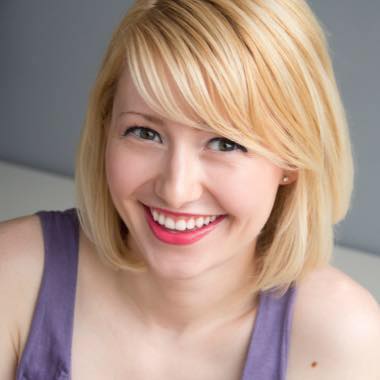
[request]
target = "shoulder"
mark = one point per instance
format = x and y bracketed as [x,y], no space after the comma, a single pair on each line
[21,268]
[21,248]
[336,329]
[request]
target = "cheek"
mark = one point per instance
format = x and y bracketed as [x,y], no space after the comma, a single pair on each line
[249,192]
[124,172]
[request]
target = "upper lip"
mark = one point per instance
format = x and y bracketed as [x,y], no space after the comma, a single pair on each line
[178,214]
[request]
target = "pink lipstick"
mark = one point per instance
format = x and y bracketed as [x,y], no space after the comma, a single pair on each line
[179,237]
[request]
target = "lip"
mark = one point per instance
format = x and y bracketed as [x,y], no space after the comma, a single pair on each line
[179,237]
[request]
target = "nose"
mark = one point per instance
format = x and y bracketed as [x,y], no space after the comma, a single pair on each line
[180,179]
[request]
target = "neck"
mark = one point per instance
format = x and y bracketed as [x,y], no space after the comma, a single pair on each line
[180,307]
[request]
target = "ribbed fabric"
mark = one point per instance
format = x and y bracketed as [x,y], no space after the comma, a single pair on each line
[47,353]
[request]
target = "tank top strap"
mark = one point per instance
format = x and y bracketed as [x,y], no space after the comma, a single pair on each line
[268,351]
[47,353]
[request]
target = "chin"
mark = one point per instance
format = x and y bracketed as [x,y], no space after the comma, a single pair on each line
[177,269]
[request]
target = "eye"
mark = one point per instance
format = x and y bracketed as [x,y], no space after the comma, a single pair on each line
[142,133]
[227,145]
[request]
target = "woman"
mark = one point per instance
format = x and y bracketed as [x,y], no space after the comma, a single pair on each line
[214,161]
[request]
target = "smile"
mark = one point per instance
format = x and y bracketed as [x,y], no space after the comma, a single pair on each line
[181,223]
[180,230]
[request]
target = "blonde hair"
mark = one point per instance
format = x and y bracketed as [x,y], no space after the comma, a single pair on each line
[256,71]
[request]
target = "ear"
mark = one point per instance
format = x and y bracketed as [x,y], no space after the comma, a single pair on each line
[288,177]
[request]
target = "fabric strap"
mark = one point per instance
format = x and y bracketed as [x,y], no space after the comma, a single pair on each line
[47,354]
[268,352]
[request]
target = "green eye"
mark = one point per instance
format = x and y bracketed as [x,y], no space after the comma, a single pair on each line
[142,133]
[225,145]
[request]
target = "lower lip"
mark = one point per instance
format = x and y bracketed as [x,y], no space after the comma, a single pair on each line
[179,237]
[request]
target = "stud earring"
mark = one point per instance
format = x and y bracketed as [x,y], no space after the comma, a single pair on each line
[285,179]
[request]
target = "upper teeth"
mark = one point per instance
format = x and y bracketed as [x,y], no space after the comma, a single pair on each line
[181,224]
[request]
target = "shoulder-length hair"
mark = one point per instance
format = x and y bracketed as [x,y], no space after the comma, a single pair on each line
[256,71]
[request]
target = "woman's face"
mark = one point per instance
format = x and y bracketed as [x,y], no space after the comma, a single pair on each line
[179,169]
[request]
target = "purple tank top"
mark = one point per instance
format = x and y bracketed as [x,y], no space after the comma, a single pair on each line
[47,353]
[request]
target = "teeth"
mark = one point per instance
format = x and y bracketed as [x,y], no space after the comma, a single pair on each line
[169,223]
[155,215]
[190,224]
[199,222]
[181,225]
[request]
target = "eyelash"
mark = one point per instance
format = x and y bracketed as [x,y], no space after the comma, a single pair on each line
[136,128]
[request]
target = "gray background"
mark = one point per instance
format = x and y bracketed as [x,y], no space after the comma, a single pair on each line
[51,51]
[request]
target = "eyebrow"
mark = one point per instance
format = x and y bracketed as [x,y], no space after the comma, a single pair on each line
[153,119]
[159,121]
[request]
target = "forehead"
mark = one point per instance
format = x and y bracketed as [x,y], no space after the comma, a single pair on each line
[129,101]
[127,96]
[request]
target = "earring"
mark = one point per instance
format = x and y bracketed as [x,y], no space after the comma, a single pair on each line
[285,179]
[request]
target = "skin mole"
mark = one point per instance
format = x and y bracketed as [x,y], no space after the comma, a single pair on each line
[314,364]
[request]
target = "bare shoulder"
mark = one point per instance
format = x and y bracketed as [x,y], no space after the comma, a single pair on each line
[21,250]
[21,267]
[336,329]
